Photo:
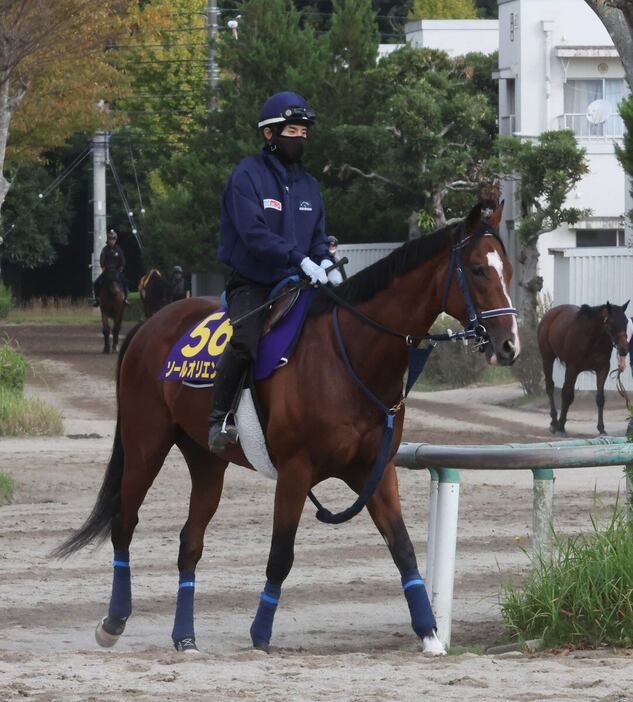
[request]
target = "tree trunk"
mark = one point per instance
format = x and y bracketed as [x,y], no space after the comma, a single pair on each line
[412,222]
[530,283]
[619,23]
[5,119]
[437,205]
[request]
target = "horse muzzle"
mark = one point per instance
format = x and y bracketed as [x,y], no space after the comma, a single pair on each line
[502,354]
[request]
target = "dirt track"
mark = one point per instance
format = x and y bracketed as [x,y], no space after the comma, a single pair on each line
[342,631]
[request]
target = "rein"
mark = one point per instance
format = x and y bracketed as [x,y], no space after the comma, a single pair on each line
[417,359]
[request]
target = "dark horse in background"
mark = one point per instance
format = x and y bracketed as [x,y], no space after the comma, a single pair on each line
[112,306]
[583,339]
[155,292]
[317,422]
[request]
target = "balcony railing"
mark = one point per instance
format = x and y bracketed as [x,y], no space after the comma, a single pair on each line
[507,125]
[581,127]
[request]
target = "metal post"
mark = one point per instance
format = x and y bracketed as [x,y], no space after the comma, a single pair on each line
[99,162]
[542,514]
[445,549]
[213,72]
[432,530]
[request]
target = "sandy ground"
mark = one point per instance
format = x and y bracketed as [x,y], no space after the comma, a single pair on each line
[342,632]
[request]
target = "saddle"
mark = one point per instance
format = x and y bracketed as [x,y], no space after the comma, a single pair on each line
[193,359]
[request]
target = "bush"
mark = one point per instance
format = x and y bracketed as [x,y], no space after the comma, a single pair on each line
[5,302]
[528,368]
[452,364]
[12,368]
[7,488]
[584,595]
[25,416]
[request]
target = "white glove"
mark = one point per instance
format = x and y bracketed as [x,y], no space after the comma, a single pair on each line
[314,272]
[334,276]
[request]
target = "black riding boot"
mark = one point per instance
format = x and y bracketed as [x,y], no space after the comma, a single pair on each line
[229,374]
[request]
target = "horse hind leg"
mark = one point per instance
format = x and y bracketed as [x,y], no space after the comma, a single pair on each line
[207,479]
[548,371]
[386,513]
[141,465]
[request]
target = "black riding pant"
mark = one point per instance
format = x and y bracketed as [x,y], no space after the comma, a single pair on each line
[244,295]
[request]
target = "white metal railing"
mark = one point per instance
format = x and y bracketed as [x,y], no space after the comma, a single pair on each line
[581,127]
[507,125]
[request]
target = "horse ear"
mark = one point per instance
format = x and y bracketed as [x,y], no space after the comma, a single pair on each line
[494,220]
[625,305]
[473,218]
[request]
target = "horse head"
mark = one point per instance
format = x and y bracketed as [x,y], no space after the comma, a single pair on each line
[614,322]
[477,282]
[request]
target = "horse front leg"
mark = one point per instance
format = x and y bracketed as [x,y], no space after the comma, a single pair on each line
[293,484]
[601,377]
[116,328]
[567,397]
[386,512]
[105,330]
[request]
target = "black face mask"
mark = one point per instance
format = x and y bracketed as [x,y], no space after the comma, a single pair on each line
[289,150]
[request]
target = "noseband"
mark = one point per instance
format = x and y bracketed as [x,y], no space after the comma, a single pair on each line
[475,318]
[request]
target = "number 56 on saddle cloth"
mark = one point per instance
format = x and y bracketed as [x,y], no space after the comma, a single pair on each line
[193,359]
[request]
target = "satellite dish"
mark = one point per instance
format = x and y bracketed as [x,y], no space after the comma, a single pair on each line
[599,111]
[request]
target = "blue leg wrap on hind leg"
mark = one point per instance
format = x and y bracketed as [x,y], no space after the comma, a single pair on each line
[121,600]
[183,622]
[422,619]
[262,626]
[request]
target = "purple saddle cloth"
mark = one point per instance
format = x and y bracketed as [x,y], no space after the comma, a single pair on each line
[194,358]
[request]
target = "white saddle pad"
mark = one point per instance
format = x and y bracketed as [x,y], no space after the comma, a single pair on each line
[252,437]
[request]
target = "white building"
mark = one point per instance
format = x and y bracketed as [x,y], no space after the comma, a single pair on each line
[455,37]
[556,60]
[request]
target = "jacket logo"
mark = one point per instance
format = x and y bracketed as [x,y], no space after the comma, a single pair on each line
[305,206]
[270,204]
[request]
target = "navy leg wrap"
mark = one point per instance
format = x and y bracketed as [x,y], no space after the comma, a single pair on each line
[262,626]
[183,622]
[121,600]
[422,619]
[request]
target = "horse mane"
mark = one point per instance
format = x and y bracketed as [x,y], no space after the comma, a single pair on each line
[371,280]
[590,312]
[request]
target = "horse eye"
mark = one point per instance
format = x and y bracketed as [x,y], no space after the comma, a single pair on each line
[478,270]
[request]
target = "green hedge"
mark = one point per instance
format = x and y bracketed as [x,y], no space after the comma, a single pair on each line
[12,368]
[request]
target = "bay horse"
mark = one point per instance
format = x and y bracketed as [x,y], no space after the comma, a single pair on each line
[112,306]
[317,422]
[583,339]
[155,292]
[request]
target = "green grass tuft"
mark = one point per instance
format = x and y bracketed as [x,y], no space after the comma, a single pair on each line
[12,368]
[26,416]
[583,596]
[7,489]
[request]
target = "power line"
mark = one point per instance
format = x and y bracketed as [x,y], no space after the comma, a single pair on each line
[126,204]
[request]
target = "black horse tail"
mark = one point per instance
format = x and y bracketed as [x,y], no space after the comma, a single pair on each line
[97,526]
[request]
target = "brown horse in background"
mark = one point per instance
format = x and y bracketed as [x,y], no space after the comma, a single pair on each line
[583,339]
[112,306]
[155,292]
[317,422]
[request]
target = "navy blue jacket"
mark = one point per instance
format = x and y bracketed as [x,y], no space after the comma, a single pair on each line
[270,222]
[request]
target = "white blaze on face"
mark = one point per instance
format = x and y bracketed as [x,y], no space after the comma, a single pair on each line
[494,261]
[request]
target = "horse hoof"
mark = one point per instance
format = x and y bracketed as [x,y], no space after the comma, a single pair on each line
[106,638]
[553,429]
[186,645]
[262,646]
[603,433]
[432,646]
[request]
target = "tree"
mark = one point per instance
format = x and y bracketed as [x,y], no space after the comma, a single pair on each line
[53,71]
[617,17]
[443,9]
[545,172]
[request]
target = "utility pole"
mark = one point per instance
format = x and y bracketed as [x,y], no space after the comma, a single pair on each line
[100,159]
[213,72]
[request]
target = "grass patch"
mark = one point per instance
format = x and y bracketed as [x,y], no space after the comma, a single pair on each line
[12,368]
[7,489]
[53,310]
[27,416]
[583,596]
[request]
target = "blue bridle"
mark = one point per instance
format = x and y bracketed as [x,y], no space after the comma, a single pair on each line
[475,318]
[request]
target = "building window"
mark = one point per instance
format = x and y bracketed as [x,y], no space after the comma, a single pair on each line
[579,94]
[599,237]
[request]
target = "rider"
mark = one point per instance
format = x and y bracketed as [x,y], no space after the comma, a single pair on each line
[111,255]
[178,284]
[271,227]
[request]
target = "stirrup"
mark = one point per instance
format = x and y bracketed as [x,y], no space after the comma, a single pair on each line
[220,436]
